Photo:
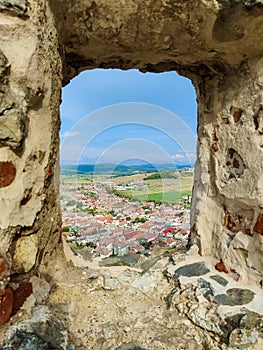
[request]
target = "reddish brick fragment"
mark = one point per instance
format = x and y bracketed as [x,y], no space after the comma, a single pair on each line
[7,173]
[60,236]
[230,224]
[220,266]
[247,231]
[237,115]
[4,268]
[258,228]
[215,146]
[50,171]
[41,255]
[20,295]
[235,163]
[6,305]
[215,138]
[238,222]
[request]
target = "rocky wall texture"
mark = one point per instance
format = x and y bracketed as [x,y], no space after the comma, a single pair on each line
[30,78]
[218,44]
[227,211]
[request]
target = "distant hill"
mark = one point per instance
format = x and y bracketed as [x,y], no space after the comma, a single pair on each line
[118,169]
[165,174]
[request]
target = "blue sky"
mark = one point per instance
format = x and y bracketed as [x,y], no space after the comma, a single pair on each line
[115,116]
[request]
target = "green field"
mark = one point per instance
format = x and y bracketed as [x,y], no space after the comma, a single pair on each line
[163,196]
[172,196]
[75,178]
[159,189]
[164,190]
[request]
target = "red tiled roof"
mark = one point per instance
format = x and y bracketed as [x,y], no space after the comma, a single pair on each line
[104,218]
[169,240]
[130,235]
[139,235]
[168,229]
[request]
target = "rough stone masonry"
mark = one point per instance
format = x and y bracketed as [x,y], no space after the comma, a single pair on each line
[218,44]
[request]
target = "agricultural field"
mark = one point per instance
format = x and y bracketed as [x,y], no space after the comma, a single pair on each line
[76,178]
[141,186]
[156,189]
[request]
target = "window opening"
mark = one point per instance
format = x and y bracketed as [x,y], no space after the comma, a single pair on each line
[127,161]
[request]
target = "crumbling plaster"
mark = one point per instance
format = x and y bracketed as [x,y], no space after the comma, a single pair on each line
[217,44]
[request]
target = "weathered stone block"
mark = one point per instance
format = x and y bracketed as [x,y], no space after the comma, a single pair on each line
[11,128]
[248,3]
[41,331]
[219,279]
[14,7]
[12,116]
[243,337]
[25,253]
[195,269]
[241,241]
[235,296]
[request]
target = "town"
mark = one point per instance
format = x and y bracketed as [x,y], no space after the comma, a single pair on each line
[99,222]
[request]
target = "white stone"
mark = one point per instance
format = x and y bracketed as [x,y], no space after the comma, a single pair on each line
[146,282]
[241,241]
[25,253]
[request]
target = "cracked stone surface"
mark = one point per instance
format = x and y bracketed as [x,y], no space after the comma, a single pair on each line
[219,279]
[137,313]
[12,108]
[196,269]
[14,7]
[124,307]
[235,296]
[41,331]
[205,288]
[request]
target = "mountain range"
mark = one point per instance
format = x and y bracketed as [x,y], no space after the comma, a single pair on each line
[118,169]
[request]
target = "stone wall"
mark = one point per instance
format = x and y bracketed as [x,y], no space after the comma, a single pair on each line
[218,44]
[30,75]
[227,211]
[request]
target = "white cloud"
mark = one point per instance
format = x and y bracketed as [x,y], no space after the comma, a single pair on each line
[70,134]
[178,156]
[187,157]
